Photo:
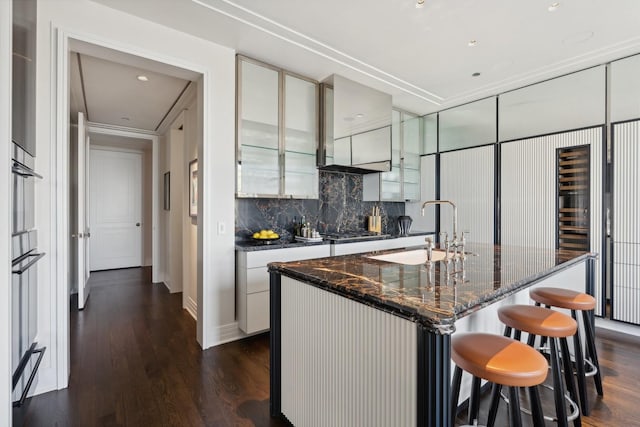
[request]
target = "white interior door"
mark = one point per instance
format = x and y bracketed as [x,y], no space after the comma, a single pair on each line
[82,226]
[115,209]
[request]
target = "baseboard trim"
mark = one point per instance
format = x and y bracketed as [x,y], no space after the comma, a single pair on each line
[622,327]
[191,307]
[226,333]
[167,284]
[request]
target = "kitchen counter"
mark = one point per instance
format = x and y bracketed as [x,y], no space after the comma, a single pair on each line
[355,338]
[433,297]
[249,245]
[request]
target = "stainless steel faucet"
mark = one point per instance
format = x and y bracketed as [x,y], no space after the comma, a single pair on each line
[454,242]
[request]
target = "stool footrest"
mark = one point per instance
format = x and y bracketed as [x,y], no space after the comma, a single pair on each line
[575,410]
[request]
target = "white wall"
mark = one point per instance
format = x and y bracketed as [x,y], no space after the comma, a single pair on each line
[189,224]
[172,159]
[5,227]
[97,24]
[178,208]
[147,204]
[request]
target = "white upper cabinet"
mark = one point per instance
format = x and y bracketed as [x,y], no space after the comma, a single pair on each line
[569,102]
[277,133]
[402,182]
[625,89]
[301,137]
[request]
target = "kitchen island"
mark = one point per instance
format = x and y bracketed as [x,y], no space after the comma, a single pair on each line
[361,341]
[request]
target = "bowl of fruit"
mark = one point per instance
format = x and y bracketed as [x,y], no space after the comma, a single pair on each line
[265,236]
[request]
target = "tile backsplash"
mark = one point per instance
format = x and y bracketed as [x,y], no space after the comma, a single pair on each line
[339,208]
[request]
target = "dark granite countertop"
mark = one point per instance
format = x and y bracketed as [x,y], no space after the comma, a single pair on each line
[437,296]
[250,246]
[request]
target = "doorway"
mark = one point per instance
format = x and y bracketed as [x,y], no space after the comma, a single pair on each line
[131,105]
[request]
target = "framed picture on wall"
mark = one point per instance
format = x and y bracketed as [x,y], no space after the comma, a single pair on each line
[193,188]
[167,191]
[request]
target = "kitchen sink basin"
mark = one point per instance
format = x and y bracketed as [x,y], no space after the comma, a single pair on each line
[413,257]
[416,256]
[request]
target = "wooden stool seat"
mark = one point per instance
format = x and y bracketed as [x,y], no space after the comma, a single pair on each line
[585,303]
[563,298]
[538,320]
[499,359]
[556,327]
[504,362]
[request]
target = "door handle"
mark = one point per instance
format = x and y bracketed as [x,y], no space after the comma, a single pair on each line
[137,224]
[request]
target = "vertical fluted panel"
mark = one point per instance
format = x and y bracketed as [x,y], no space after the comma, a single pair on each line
[626,227]
[344,363]
[467,179]
[529,192]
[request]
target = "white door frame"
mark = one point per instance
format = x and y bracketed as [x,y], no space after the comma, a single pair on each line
[60,177]
[156,262]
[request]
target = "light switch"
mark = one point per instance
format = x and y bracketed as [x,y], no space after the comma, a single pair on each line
[222,228]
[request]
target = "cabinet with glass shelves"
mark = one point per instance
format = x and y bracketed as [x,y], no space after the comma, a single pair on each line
[277,132]
[402,183]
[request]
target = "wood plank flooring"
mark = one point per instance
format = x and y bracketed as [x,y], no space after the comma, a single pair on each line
[135,362]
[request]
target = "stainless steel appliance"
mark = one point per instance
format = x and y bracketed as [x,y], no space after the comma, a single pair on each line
[25,354]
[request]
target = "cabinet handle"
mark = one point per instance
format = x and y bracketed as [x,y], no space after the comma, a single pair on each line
[24,171]
[36,258]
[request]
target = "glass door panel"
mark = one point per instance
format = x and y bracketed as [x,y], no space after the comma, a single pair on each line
[258,166]
[300,137]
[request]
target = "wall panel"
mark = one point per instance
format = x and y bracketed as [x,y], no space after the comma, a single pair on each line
[467,179]
[626,228]
[528,190]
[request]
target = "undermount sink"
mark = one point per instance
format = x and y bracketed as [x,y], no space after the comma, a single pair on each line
[413,257]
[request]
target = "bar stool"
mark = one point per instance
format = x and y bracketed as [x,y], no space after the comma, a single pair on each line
[576,301]
[556,327]
[502,361]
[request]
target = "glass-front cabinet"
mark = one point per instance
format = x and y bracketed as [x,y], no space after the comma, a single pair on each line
[402,183]
[277,132]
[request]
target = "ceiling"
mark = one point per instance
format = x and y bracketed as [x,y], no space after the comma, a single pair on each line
[105,87]
[421,56]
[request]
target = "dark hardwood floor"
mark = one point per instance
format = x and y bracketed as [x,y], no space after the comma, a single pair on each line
[135,362]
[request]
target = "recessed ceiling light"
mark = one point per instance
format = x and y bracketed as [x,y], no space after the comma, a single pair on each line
[125,118]
[359,116]
[419,4]
[553,6]
[476,74]
[472,43]
[143,78]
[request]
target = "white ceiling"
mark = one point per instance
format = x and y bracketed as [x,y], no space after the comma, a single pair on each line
[107,89]
[420,56]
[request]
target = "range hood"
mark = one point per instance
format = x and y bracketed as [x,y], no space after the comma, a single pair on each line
[355,129]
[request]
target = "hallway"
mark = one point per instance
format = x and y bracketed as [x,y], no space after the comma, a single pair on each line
[135,362]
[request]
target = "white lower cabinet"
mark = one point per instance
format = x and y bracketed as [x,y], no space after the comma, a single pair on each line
[377,245]
[252,277]
[252,282]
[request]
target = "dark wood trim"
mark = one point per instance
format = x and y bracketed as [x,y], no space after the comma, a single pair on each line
[433,376]
[275,348]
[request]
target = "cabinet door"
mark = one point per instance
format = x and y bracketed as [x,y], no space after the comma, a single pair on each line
[390,182]
[258,138]
[411,158]
[300,137]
